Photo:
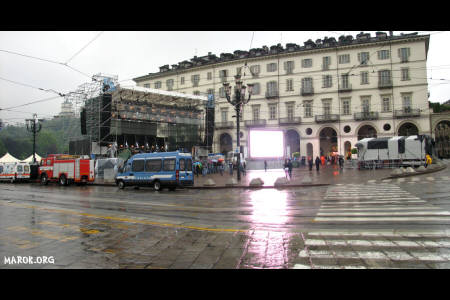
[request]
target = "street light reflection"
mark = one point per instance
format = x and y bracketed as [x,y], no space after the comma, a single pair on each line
[269,206]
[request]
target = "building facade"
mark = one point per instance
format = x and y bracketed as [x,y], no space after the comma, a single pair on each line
[324,95]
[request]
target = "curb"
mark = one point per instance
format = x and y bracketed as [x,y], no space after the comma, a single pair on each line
[416,173]
[237,186]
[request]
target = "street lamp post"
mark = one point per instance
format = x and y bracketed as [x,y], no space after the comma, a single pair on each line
[238,102]
[34,126]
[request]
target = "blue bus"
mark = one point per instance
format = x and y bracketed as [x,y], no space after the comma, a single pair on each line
[159,169]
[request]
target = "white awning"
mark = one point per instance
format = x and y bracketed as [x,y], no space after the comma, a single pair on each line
[8,158]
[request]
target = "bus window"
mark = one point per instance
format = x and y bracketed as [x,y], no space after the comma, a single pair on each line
[26,169]
[153,165]
[169,164]
[138,165]
[188,164]
[19,169]
[1,169]
[182,164]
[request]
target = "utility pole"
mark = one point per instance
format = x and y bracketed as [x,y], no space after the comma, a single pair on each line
[34,126]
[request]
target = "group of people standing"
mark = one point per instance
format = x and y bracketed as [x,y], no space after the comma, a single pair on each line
[322,161]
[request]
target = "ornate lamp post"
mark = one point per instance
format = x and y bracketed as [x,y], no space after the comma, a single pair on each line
[238,102]
[34,126]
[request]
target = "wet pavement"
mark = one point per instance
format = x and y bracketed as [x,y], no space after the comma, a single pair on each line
[360,221]
[328,174]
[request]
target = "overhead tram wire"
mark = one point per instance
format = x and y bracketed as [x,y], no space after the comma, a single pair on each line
[83,48]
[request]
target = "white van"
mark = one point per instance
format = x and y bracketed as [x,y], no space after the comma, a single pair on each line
[17,171]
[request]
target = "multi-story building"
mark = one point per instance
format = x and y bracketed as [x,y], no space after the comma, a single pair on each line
[324,95]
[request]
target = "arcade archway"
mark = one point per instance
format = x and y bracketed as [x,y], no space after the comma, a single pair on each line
[367,131]
[226,143]
[442,139]
[328,141]
[407,129]
[292,142]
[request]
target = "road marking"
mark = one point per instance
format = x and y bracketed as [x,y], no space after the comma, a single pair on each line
[122,219]
[43,233]
[21,244]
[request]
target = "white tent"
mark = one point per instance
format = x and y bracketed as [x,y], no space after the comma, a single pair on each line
[8,158]
[30,158]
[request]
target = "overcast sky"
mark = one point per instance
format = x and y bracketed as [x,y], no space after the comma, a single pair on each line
[129,54]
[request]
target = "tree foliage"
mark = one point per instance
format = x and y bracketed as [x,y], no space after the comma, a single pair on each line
[54,137]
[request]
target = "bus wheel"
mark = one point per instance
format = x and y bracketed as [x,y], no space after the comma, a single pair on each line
[62,180]
[121,184]
[157,185]
[44,179]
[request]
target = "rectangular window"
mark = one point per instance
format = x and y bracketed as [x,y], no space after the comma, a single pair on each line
[405,74]
[307,63]
[326,107]
[146,85]
[210,91]
[272,112]
[169,84]
[386,104]
[365,104]
[289,85]
[344,78]
[255,111]
[407,102]
[344,58]
[289,67]
[188,164]
[223,74]
[182,80]
[326,61]
[272,88]
[209,75]
[169,164]
[272,67]
[138,165]
[158,84]
[327,81]
[363,57]
[383,54]
[365,77]
[238,70]
[255,70]
[384,77]
[308,108]
[290,111]
[256,89]
[404,54]
[224,114]
[346,107]
[307,83]
[153,165]
[221,92]
[195,80]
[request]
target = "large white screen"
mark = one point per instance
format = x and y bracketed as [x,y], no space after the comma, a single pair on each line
[265,143]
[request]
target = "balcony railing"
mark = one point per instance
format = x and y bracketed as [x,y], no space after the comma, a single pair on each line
[271,94]
[307,91]
[327,118]
[407,112]
[345,88]
[255,123]
[225,125]
[384,84]
[292,120]
[366,115]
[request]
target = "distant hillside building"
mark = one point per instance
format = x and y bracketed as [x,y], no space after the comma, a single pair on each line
[67,109]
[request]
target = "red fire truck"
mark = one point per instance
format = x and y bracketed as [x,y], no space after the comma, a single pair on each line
[66,169]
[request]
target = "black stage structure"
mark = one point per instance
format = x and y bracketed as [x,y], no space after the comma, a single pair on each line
[145,119]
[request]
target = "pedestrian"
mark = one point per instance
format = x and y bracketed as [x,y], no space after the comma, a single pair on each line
[428,161]
[322,159]
[230,165]
[310,162]
[286,168]
[221,168]
[341,161]
[265,166]
[317,163]
[290,169]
